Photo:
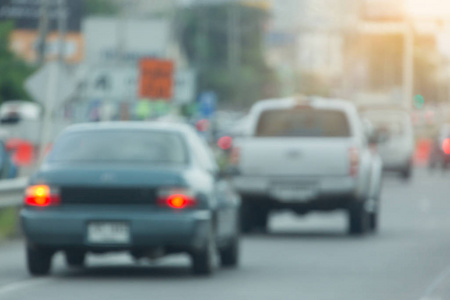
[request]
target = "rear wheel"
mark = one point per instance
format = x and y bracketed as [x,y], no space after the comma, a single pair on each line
[203,261]
[253,218]
[39,260]
[358,219]
[75,259]
[229,256]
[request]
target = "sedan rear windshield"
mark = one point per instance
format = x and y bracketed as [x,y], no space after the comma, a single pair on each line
[304,122]
[124,146]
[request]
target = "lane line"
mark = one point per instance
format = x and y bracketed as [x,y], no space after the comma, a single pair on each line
[435,284]
[22,285]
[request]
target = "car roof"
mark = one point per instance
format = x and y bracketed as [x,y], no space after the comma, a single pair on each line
[130,125]
[317,102]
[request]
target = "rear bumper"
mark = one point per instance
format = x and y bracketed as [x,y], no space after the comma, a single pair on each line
[67,228]
[330,193]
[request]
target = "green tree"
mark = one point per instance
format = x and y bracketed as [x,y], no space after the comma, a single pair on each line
[13,71]
[205,40]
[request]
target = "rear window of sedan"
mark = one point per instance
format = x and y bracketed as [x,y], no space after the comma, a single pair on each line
[120,146]
[303,122]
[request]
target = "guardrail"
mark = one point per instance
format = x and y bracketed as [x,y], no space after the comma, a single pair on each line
[11,192]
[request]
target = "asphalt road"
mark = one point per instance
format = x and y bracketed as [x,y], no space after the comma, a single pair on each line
[302,258]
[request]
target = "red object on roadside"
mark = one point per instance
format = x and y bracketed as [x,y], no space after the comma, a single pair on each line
[22,151]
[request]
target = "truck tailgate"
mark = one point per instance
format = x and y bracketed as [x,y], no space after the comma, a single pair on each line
[295,156]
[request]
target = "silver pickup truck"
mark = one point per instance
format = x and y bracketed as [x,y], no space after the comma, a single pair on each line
[307,155]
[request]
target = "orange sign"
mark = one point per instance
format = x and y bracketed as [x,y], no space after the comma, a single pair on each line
[156,79]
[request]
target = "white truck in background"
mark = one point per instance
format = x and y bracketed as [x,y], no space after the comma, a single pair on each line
[304,155]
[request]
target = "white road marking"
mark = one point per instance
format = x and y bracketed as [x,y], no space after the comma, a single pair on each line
[22,285]
[428,295]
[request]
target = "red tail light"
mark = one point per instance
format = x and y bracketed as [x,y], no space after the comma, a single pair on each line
[353,155]
[176,199]
[41,196]
[235,156]
[446,146]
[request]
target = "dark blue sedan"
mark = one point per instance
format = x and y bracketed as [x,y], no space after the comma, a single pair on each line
[150,189]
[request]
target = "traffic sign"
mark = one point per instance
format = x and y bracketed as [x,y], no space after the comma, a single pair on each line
[156,78]
[37,84]
[207,104]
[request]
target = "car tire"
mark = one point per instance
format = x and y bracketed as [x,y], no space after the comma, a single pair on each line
[203,261]
[358,219]
[229,256]
[39,261]
[75,259]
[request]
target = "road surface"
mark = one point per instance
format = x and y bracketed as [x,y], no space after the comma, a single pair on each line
[301,258]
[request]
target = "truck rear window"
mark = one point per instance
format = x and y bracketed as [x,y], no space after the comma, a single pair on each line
[303,123]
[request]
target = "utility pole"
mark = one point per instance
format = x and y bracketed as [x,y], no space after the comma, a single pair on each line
[62,29]
[408,65]
[43,30]
[234,37]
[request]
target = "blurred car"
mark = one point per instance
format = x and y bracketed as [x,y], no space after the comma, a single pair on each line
[8,170]
[150,189]
[440,148]
[307,155]
[397,150]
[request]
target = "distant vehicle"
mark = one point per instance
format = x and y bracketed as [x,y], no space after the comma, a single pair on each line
[18,110]
[307,155]
[150,189]
[397,151]
[440,148]
[8,169]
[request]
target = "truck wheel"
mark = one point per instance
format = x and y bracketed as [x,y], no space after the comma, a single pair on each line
[203,261]
[39,261]
[75,259]
[358,219]
[262,220]
[406,173]
[373,221]
[229,256]
[247,218]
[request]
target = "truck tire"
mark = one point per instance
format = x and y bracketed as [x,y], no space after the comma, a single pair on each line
[39,261]
[247,218]
[75,259]
[229,256]
[373,221]
[358,219]
[253,218]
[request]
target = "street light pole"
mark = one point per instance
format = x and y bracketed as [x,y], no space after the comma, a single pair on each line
[43,31]
[408,65]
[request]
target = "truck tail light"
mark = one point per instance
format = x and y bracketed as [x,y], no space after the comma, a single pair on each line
[41,196]
[353,156]
[235,156]
[176,198]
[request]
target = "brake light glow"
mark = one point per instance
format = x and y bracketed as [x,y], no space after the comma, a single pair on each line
[446,146]
[176,199]
[41,196]
[353,161]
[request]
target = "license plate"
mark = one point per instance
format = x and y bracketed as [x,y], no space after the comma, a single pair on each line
[108,233]
[294,193]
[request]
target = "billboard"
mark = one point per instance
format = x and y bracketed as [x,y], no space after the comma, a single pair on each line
[156,78]
[24,44]
[25,14]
